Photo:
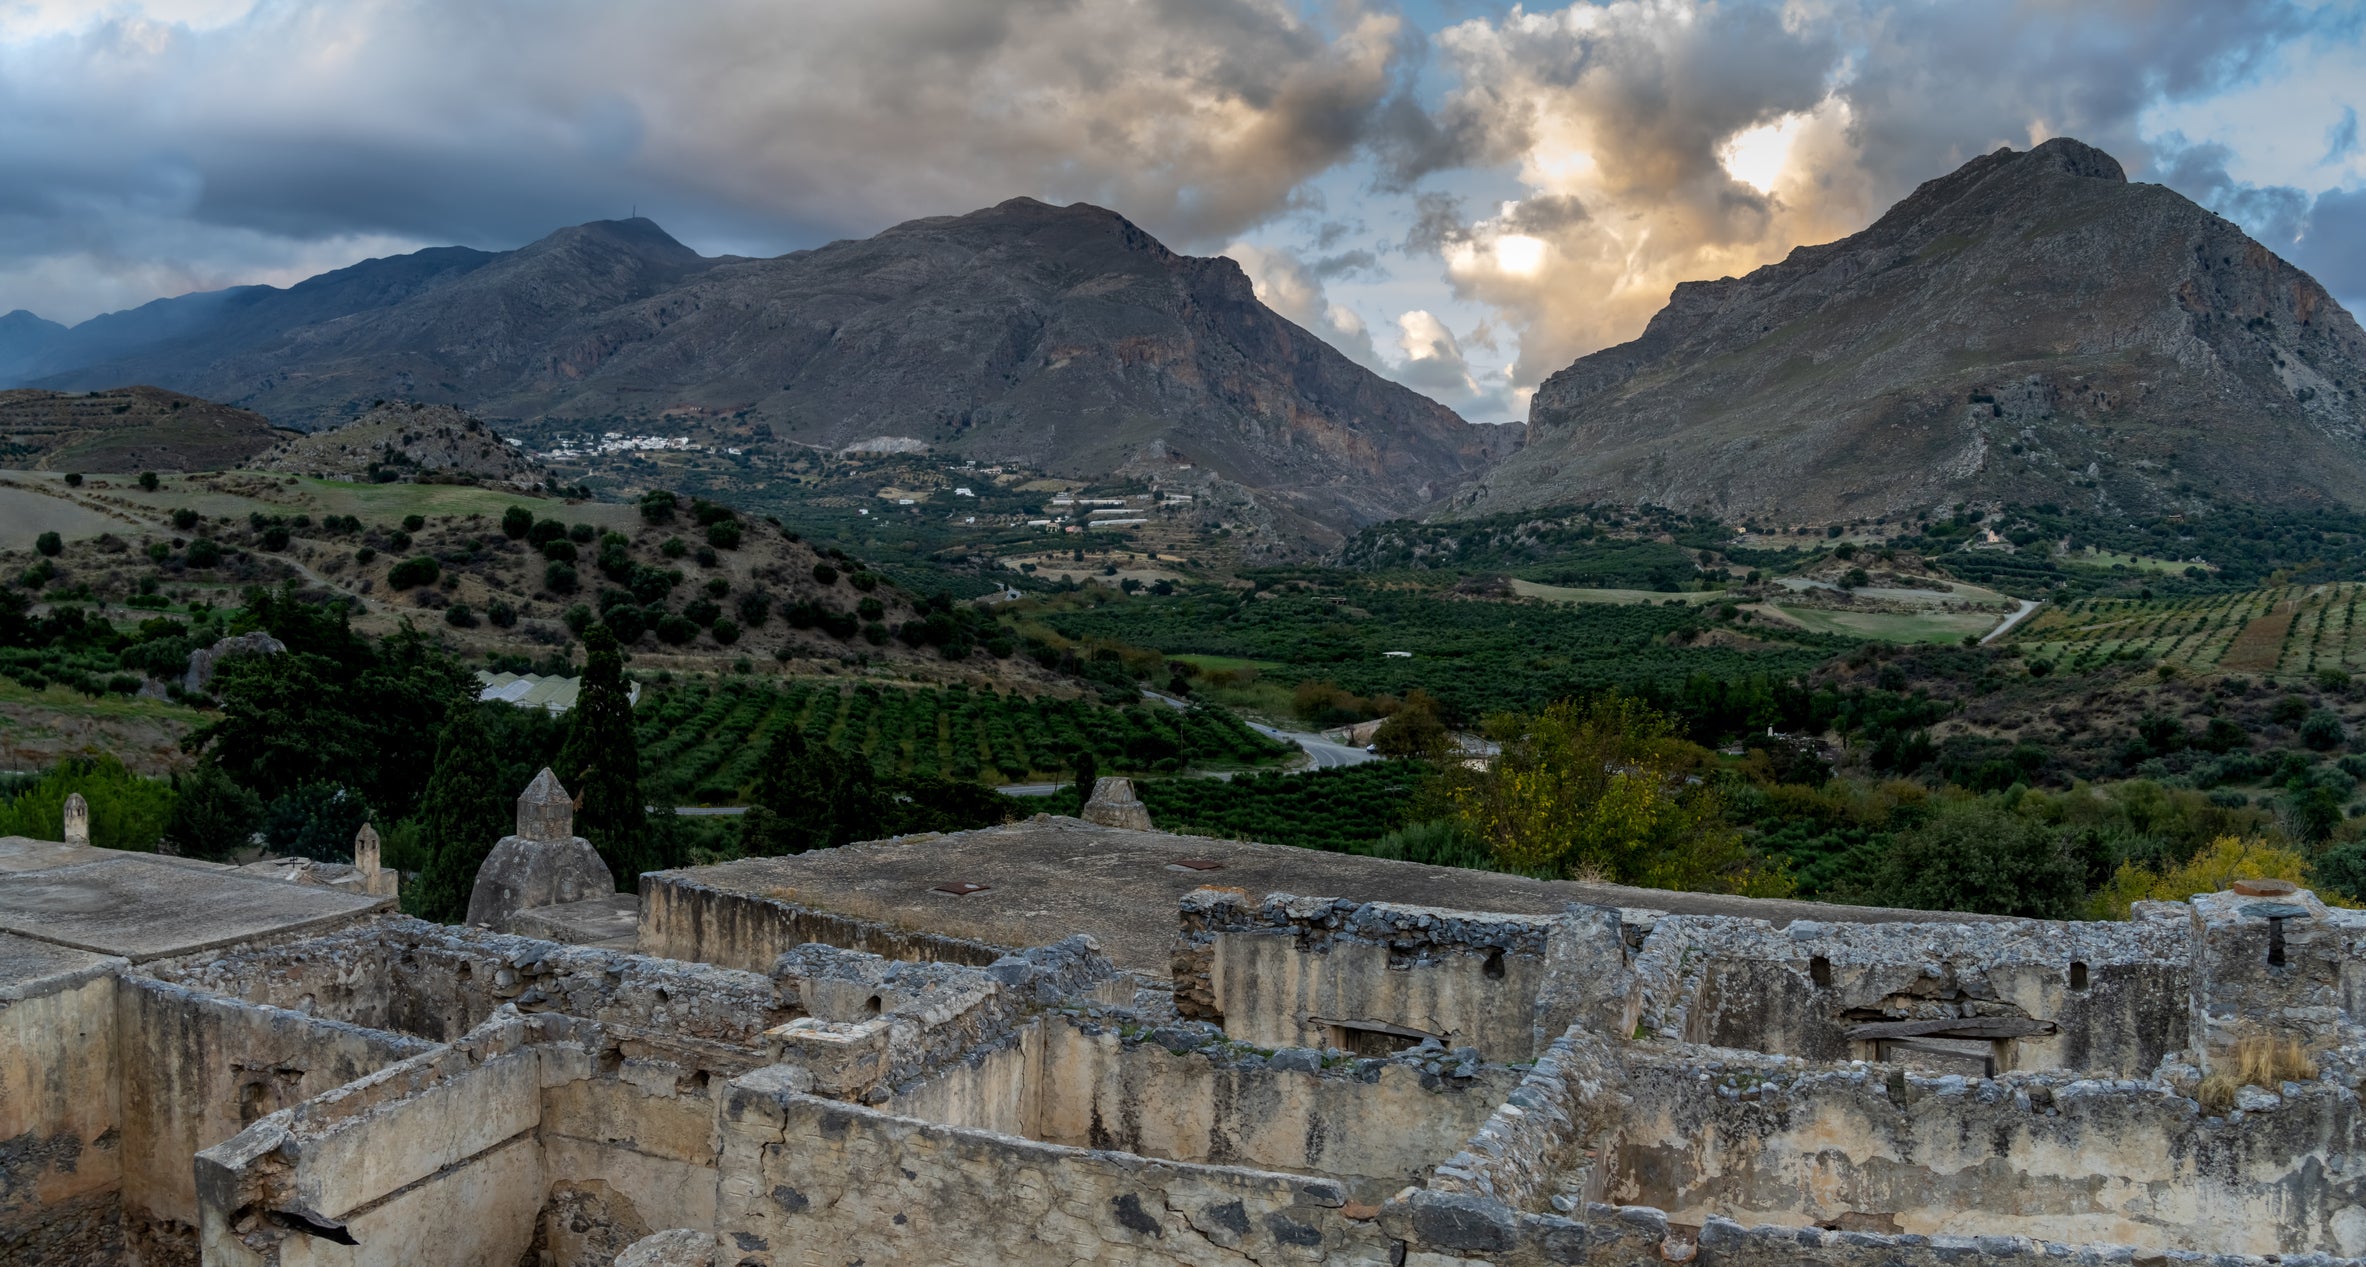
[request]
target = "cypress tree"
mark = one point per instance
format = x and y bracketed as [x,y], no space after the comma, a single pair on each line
[813,798]
[1088,772]
[601,764]
[463,813]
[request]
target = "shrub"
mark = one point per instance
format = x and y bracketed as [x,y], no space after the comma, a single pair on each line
[865,580]
[50,544]
[870,609]
[824,574]
[203,553]
[2323,731]
[582,534]
[501,614]
[148,481]
[559,551]
[559,578]
[707,557]
[725,631]
[212,817]
[578,619]
[657,506]
[458,616]
[413,573]
[276,537]
[673,548]
[1978,855]
[545,531]
[624,620]
[73,479]
[2217,865]
[675,630]
[516,522]
[754,609]
[724,535]
[414,523]
[317,821]
[126,811]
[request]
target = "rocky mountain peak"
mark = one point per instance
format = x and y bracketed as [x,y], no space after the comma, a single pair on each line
[2031,326]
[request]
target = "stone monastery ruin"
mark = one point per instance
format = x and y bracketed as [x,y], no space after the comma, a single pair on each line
[1067,1042]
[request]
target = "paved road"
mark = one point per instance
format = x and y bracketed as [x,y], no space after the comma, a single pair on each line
[2028,605]
[1322,753]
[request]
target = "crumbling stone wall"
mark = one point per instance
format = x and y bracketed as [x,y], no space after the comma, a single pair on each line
[813,1180]
[193,1070]
[2299,978]
[441,982]
[2040,1155]
[2100,997]
[1290,971]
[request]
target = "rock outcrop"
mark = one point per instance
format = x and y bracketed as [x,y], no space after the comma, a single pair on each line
[1113,804]
[405,440]
[2031,327]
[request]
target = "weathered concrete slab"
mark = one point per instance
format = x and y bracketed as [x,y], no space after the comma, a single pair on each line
[1050,876]
[137,909]
[30,968]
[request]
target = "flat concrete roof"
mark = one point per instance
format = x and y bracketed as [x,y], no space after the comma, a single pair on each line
[128,905]
[31,968]
[1049,877]
[23,853]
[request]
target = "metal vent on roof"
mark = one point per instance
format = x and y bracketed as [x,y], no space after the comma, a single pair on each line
[960,888]
[1195,864]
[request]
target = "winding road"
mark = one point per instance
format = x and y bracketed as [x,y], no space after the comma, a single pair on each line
[2028,605]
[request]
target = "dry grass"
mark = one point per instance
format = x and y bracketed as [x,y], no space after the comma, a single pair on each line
[2257,1061]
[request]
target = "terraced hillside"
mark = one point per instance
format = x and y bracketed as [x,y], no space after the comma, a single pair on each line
[2286,630]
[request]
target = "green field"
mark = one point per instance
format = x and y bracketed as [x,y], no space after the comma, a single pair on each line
[1573,594]
[2292,629]
[1937,626]
[706,743]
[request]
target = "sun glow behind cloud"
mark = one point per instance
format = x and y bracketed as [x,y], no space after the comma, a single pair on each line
[1758,156]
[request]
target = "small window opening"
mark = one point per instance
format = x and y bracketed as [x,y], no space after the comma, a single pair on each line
[1493,968]
[2078,977]
[1819,970]
[871,1005]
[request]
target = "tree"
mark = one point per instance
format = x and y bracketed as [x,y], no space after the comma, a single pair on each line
[464,812]
[1600,790]
[212,817]
[316,821]
[1414,730]
[601,764]
[1088,772]
[50,544]
[516,522]
[1978,855]
[813,797]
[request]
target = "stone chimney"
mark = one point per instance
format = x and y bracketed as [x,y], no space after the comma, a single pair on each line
[544,864]
[375,880]
[77,819]
[544,810]
[1115,805]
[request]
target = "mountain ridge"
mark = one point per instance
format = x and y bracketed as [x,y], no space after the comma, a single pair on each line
[1065,337]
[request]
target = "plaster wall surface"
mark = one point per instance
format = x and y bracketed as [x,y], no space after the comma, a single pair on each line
[811,1180]
[61,1154]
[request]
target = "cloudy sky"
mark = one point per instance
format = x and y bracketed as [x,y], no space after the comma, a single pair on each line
[1463,195]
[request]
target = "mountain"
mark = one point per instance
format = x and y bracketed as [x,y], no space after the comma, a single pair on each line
[126,431]
[1063,337]
[23,338]
[405,440]
[2031,327]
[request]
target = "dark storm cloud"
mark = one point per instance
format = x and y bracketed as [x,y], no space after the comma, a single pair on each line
[315,123]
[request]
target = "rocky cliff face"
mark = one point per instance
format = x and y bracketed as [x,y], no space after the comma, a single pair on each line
[1059,336]
[2030,327]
